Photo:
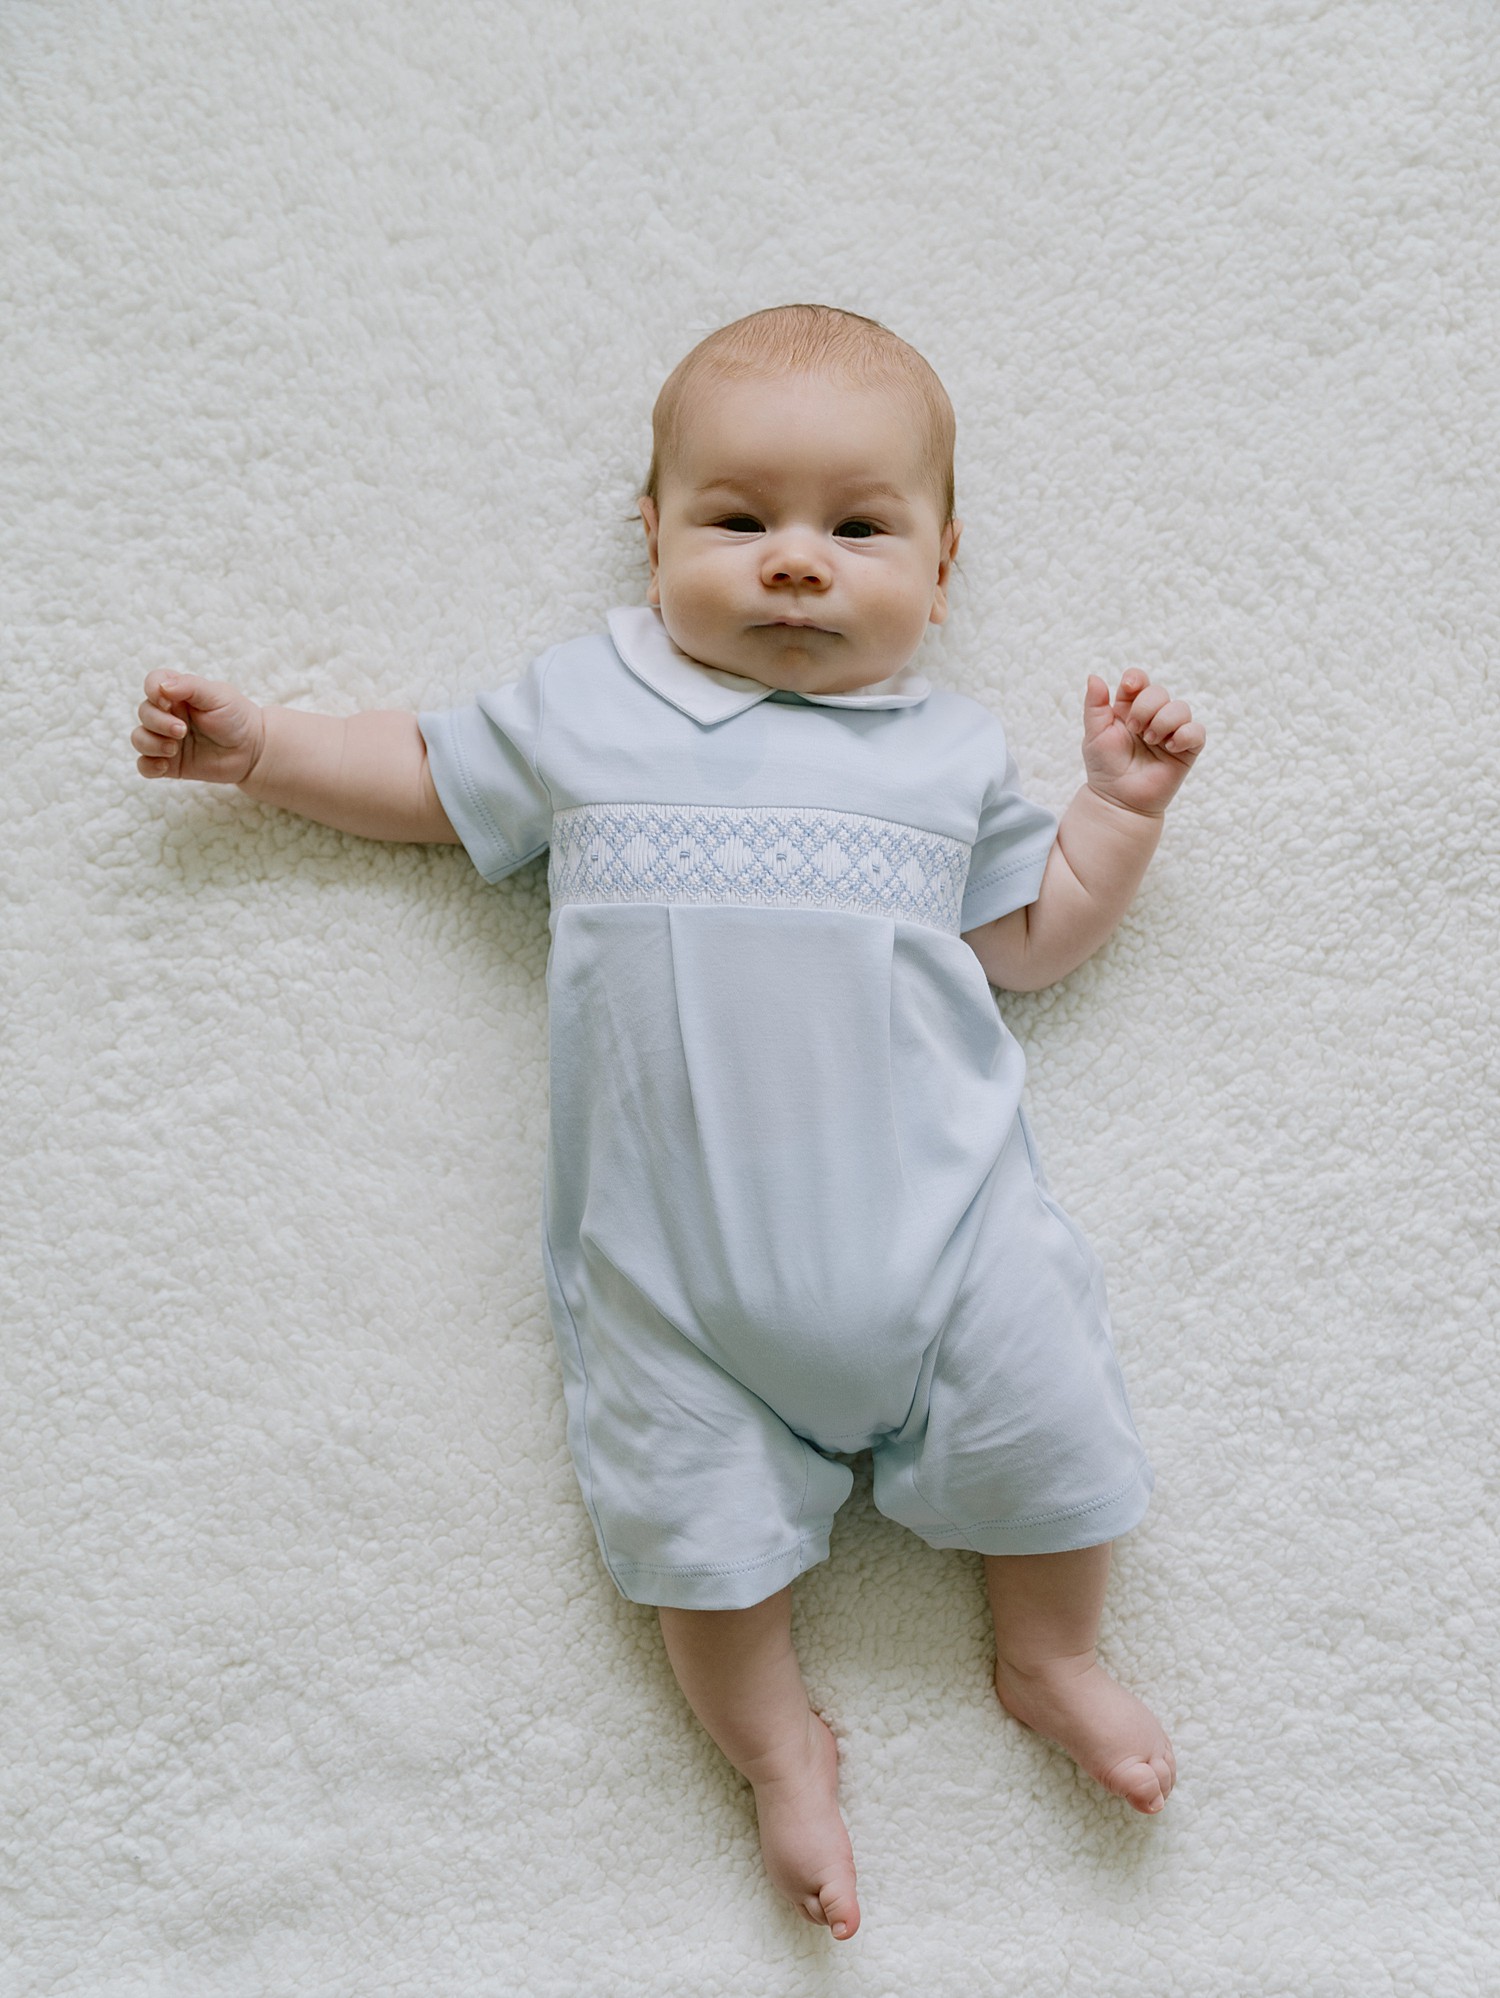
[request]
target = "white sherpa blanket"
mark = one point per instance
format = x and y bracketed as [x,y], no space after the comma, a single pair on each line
[328,339]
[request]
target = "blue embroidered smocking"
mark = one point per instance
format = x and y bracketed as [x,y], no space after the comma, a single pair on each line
[769,857]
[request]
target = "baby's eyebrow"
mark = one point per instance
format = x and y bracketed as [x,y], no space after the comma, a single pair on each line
[855,489]
[874,489]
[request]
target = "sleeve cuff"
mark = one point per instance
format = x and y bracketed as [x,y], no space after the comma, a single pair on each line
[453,780]
[1014,886]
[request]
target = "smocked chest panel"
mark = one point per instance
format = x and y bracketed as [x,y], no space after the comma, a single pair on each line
[770,857]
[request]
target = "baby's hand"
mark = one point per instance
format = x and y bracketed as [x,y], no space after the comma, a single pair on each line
[1138,748]
[196,728]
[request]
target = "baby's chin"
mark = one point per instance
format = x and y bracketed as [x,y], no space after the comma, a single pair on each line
[789,658]
[809,662]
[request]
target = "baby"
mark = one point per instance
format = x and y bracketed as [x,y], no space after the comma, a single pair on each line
[793,1208]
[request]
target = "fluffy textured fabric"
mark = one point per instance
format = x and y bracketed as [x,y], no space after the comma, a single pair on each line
[329,344]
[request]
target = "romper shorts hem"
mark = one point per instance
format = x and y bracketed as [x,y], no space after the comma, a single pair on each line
[1050,1532]
[725,1586]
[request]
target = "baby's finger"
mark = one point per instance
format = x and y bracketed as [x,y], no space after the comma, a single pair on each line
[1145,707]
[160,720]
[161,747]
[156,680]
[1171,715]
[1132,680]
[191,690]
[1187,740]
[1098,714]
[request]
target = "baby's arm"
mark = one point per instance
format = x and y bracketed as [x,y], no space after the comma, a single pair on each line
[1136,751]
[363,773]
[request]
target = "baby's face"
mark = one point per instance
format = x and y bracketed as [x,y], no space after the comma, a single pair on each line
[799,541]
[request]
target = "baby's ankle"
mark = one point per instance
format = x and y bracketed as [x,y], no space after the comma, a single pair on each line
[1025,1662]
[786,1760]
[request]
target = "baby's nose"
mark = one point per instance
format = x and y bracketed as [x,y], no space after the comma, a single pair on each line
[795,562]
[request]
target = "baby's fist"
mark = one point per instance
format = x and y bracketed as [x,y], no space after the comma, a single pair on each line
[204,729]
[1138,748]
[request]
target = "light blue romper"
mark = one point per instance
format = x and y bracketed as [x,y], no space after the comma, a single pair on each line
[792,1210]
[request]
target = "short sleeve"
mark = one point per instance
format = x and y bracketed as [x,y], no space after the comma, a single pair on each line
[1011,849]
[485,761]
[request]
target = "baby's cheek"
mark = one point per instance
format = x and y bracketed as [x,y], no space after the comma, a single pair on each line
[902,610]
[693,589]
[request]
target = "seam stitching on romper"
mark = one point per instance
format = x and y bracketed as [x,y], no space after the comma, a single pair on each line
[951,1524]
[1069,1512]
[541,729]
[806,1480]
[588,1495]
[830,811]
[724,1567]
[475,798]
[993,876]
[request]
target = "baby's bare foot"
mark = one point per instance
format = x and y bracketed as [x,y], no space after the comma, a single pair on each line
[1106,1730]
[802,1835]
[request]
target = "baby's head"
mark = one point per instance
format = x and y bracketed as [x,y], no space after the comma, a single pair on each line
[799,507]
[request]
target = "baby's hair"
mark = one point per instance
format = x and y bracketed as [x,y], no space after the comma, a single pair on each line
[814,340]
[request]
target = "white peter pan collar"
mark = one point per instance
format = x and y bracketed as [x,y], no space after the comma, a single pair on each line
[709,695]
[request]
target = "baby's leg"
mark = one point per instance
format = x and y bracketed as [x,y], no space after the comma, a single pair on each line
[1046,1609]
[742,1680]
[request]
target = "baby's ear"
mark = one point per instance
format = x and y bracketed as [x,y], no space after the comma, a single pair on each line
[651,520]
[947,555]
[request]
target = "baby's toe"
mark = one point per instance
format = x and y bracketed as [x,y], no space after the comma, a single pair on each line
[840,1909]
[1138,1783]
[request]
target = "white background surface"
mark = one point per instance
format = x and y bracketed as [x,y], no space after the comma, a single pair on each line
[328,346]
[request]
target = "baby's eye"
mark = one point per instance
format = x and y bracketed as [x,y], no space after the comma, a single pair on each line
[859,530]
[741,523]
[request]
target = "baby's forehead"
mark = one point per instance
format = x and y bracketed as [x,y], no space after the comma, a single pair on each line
[731,413]
[723,396]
